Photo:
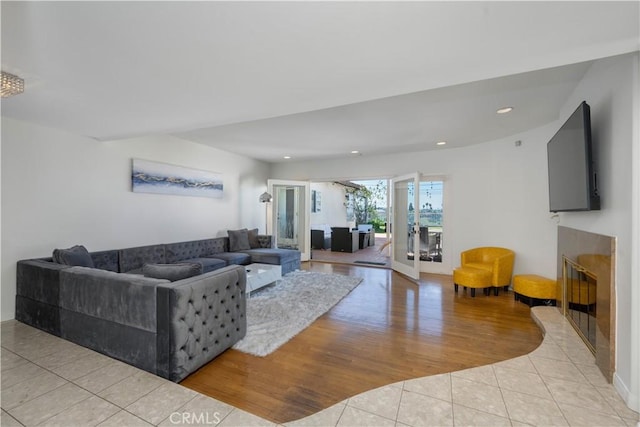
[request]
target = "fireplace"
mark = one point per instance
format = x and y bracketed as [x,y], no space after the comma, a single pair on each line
[580,288]
[587,293]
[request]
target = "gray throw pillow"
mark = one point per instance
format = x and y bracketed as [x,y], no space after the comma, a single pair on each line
[254,243]
[172,272]
[76,256]
[238,240]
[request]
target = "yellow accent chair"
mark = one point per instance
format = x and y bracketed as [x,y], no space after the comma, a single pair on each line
[476,262]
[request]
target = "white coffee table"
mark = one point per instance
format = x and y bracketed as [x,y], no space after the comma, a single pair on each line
[260,275]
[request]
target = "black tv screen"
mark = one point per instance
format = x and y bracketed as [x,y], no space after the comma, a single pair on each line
[572,174]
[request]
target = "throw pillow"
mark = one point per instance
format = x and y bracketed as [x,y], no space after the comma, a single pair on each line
[77,256]
[238,240]
[172,272]
[254,243]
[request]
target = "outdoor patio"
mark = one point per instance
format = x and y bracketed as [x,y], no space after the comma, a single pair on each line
[373,256]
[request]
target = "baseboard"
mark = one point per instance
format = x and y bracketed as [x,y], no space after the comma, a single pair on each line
[629,398]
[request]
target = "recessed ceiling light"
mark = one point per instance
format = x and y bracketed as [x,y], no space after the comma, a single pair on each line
[355,152]
[504,110]
[286,157]
[441,143]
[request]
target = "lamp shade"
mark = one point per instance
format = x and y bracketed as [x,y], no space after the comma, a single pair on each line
[10,85]
[265,197]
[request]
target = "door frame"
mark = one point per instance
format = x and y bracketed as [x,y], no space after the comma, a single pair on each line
[400,212]
[304,214]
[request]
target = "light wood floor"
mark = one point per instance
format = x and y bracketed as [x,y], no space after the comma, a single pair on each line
[386,330]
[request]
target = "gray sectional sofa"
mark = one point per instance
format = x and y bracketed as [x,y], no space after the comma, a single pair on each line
[168,328]
[210,253]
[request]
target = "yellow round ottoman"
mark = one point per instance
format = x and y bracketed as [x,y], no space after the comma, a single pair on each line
[473,278]
[534,286]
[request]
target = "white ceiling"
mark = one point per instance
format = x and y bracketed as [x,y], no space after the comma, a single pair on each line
[305,79]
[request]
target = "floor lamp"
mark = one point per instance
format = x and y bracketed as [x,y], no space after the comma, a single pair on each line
[266,198]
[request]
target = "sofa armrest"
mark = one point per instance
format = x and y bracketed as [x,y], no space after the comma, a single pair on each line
[39,280]
[37,294]
[503,269]
[199,318]
[126,299]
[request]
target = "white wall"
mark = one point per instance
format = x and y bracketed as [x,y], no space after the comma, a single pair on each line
[608,89]
[333,211]
[60,189]
[499,193]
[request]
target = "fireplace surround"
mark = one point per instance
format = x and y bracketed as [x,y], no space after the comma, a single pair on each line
[586,291]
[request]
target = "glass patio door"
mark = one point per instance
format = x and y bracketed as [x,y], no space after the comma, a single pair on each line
[287,214]
[405,231]
[432,226]
[290,215]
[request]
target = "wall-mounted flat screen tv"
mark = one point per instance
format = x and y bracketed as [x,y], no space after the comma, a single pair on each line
[572,173]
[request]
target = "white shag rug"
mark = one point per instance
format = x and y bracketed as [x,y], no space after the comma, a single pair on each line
[279,312]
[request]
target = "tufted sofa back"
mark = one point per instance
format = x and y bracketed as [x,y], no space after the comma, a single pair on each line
[132,259]
[195,249]
[106,260]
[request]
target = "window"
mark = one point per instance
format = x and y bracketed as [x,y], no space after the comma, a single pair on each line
[430,220]
[316,201]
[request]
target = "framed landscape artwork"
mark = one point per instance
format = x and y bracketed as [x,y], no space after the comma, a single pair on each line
[162,178]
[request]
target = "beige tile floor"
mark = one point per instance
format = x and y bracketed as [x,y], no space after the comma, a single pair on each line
[51,382]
